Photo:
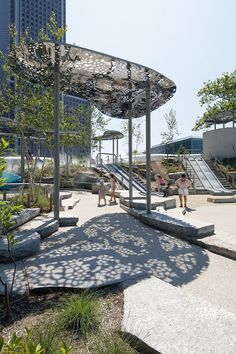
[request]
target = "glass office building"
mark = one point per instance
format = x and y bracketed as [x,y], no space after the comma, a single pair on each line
[32,16]
[191,144]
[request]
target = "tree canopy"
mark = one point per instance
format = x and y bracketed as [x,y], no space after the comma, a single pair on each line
[217,96]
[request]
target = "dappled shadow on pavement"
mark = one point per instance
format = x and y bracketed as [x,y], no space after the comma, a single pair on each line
[112,248]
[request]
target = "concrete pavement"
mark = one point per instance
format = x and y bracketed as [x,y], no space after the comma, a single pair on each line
[192,289]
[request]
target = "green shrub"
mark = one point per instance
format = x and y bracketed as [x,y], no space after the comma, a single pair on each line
[80,313]
[28,345]
[115,344]
[48,336]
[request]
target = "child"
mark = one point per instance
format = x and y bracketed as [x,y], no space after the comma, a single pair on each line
[160,183]
[166,190]
[102,192]
[113,182]
[183,184]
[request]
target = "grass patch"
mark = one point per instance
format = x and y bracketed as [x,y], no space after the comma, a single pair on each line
[49,337]
[80,313]
[116,343]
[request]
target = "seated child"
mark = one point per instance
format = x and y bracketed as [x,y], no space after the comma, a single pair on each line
[166,190]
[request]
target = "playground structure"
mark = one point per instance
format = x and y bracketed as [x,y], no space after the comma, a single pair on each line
[108,135]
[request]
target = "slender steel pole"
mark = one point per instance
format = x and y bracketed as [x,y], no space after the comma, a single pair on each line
[100,152]
[113,149]
[22,157]
[130,128]
[117,150]
[57,133]
[148,147]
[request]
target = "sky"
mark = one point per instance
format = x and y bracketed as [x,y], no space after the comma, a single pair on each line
[189,41]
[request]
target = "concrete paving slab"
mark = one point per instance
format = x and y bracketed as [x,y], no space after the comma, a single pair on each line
[170,320]
[221,199]
[109,249]
[111,246]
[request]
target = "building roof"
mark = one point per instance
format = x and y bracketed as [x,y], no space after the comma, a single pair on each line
[177,140]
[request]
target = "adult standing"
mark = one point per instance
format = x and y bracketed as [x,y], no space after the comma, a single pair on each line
[183,184]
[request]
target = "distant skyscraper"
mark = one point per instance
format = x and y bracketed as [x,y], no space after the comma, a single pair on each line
[32,16]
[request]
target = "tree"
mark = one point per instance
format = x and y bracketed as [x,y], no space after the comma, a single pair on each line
[217,96]
[172,129]
[136,131]
[6,212]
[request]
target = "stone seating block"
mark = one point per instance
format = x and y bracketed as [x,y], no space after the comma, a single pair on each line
[27,244]
[68,221]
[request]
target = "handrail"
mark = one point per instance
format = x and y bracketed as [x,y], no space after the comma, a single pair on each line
[187,160]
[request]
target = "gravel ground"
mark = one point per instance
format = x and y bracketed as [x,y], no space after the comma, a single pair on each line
[29,311]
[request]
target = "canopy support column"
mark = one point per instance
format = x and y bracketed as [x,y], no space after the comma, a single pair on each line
[113,149]
[100,151]
[22,157]
[130,136]
[148,147]
[117,150]
[57,133]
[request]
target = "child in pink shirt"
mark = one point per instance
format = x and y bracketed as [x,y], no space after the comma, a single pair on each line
[183,184]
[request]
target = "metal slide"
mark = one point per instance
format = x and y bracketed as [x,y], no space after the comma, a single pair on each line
[123,177]
[206,176]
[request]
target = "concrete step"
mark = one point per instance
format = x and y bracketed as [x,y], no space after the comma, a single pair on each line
[168,320]
[24,216]
[139,201]
[173,223]
[221,199]
[43,225]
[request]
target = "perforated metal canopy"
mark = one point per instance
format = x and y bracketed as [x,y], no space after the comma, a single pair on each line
[104,80]
[223,117]
[109,135]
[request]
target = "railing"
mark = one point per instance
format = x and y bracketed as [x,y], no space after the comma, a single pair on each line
[229,177]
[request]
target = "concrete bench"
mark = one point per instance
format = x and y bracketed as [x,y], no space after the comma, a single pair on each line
[174,225]
[27,244]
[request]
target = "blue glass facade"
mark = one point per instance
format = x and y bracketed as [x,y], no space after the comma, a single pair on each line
[31,16]
[191,144]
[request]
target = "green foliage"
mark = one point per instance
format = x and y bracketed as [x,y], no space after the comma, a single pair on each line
[3,148]
[80,313]
[6,212]
[116,343]
[29,345]
[229,164]
[137,131]
[181,150]
[172,127]
[34,106]
[49,337]
[217,96]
